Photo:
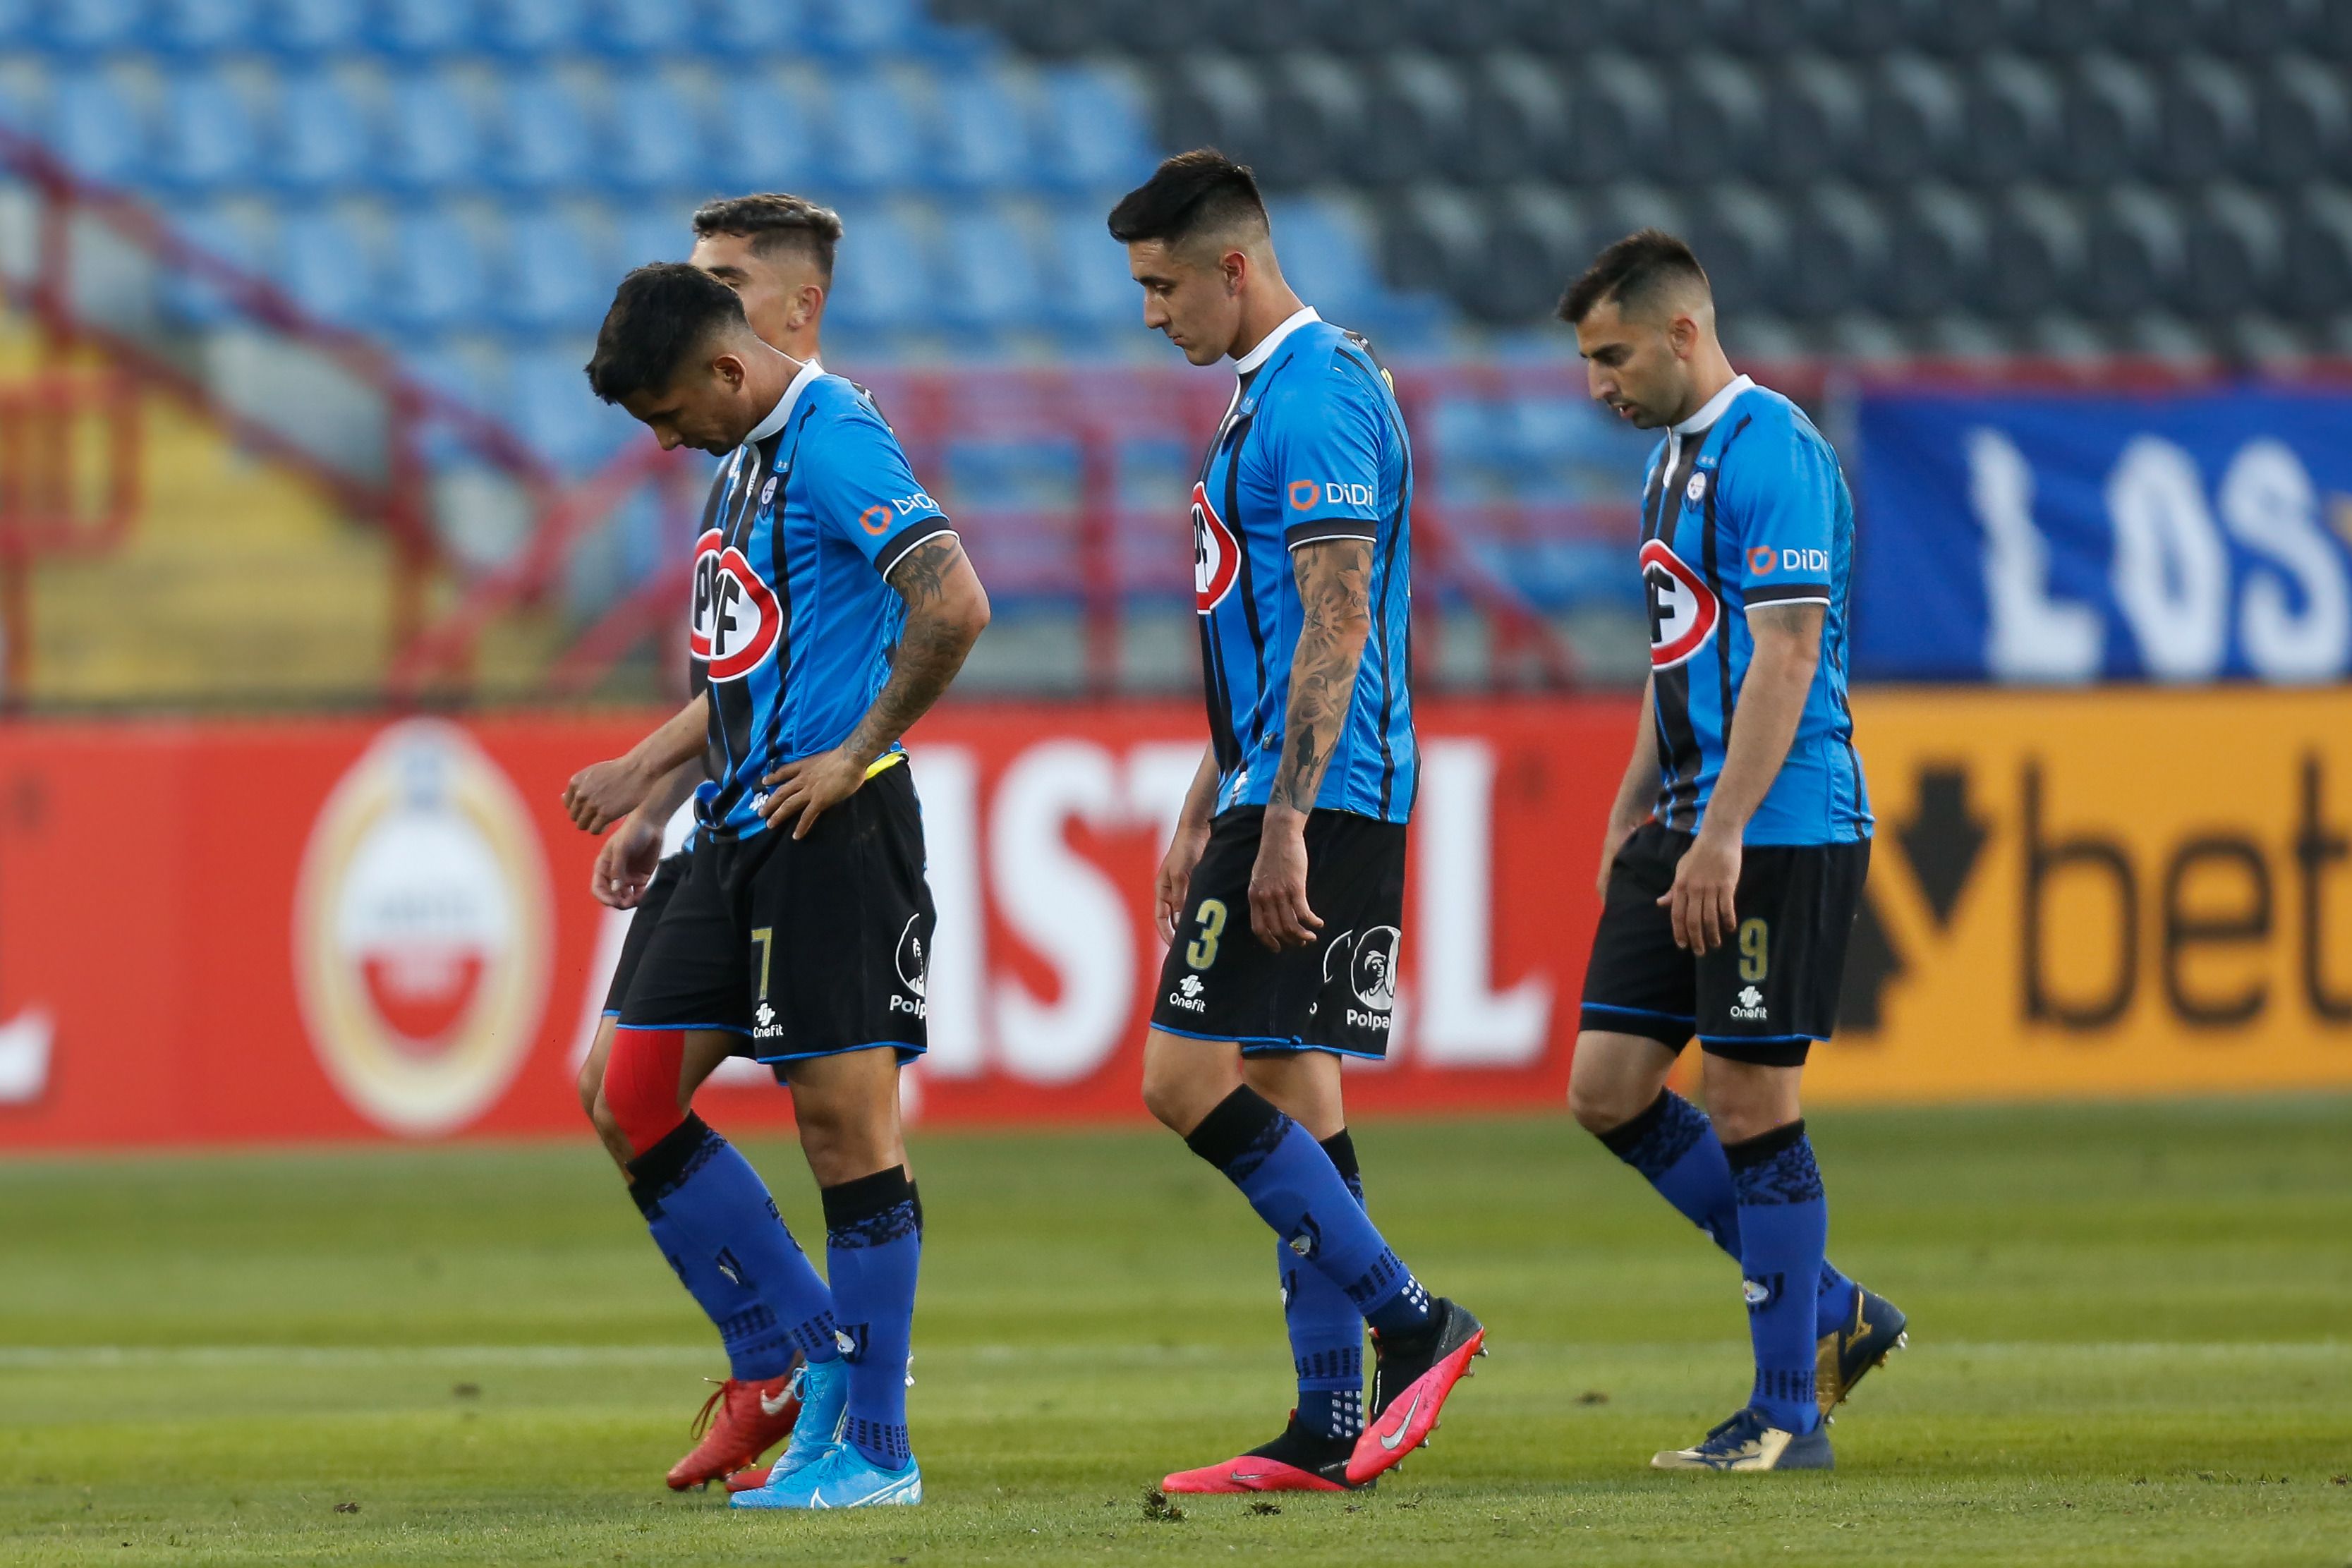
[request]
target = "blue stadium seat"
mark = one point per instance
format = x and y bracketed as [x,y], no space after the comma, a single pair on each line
[988,275]
[204,27]
[1089,131]
[736,30]
[306,27]
[1091,291]
[98,128]
[875,132]
[433,140]
[424,29]
[529,29]
[235,234]
[543,140]
[437,280]
[657,138]
[208,137]
[550,403]
[19,24]
[882,278]
[980,133]
[862,29]
[550,280]
[92,27]
[324,263]
[650,234]
[642,29]
[764,138]
[320,140]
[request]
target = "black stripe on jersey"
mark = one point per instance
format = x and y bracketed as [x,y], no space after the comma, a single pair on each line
[727,701]
[1247,583]
[780,566]
[897,550]
[1370,365]
[733,712]
[1789,593]
[1711,550]
[1678,799]
[1217,690]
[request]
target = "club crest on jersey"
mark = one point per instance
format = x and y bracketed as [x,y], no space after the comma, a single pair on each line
[1696,490]
[736,617]
[1683,613]
[1216,554]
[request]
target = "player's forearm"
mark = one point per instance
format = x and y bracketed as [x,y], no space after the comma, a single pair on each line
[1771,702]
[677,743]
[1639,787]
[1335,597]
[1200,796]
[947,609]
[675,789]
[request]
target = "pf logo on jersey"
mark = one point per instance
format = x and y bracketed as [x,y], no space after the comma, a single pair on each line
[1216,554]
[1683,613]
[736,617]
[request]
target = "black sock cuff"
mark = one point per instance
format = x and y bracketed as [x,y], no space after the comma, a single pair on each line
[1764,1146]
[1240,1122]
[1342,1150]
[872,1209]
[1626,1136]
[657,1173]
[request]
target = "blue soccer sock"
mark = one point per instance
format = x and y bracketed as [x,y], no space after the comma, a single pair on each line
[713,1219]
[1326,1331]
[1784,1225]
[1673,1145]
[874,1240]
[1296,1189]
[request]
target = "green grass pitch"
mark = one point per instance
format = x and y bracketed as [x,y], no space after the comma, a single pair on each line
[2132,1343]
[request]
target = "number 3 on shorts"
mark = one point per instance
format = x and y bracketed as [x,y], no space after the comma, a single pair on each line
[1202,950]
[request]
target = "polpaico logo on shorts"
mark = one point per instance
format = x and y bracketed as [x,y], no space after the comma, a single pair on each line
[421,931]
[914,969]
[1371,959]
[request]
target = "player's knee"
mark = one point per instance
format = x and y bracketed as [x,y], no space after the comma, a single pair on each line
[589,1084]
[640,1088]
[1599,1099]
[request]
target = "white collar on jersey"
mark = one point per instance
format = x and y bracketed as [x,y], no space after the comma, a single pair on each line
[810,369]
[1273,341]
[1706,417]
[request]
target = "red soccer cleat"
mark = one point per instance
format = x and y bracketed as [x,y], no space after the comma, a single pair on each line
[740,1421]
[1410,1385]
[750,1479]
[1296,1461]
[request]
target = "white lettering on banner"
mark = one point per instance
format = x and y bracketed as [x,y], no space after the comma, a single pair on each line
[2269,505]
[1462,1022]
[1159,772]
[2171,572]
[947,776]
[24,1043]
[1066,907]
[2030,637]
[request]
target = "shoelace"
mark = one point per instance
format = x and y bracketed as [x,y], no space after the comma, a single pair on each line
[1743,1424]
[708,1413]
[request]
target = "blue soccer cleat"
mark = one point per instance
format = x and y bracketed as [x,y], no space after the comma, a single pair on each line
[824,1400]
[839,1478]
[1878,1330]
[1749,1441]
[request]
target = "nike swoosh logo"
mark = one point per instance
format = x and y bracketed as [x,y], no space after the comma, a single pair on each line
[1390,1441]
[1252,1476]
[775,1406]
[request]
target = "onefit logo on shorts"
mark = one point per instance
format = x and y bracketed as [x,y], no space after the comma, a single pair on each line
[1187,995]
[421,931]
[1748,1004]
[914,970]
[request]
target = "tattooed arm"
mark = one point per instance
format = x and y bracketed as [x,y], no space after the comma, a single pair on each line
[947,609]
[1335,594]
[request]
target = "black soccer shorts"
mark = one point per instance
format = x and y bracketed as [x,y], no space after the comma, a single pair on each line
[1765,996]
[805,947]
[1337,994]
[642,921]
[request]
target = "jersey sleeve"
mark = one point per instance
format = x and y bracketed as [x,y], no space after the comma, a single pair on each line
[1782,493]
[864,491]
[1326,449]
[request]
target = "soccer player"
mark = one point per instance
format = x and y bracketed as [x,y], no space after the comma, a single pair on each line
[1732,866]
[833,604]
[1282,890]
[776,251]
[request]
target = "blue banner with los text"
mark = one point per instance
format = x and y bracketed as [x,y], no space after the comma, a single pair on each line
[2054,539]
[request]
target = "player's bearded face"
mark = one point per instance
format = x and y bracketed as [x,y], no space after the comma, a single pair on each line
[1197,306]
[1632,366]
[701,408]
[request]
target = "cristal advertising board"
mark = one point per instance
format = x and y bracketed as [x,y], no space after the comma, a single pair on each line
[239,933]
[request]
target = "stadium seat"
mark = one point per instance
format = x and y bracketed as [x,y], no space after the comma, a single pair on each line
[433,140]
[650,234]
[325,265]
[1912,121]
[99,128]
[309,27]
[736,30]
[207,138]
[1538,241]
[1089,290]
[2230,250]
[1812,125]
[1745,241]
[1213,101]
[2109,120]
[422,29]
[2036,247]
[320,138]
[988,272]
[237,234]
[1715,108]
[657,138]
[1935,248]
[2205,125]
[876,131]
[1314,111]
[2302,124]
[2314,270]
[533,29]
[204,28]
[2133,257]
[980,132]
[91,27]
[549,279]
[1835,245]
[550,403]
[1089,130]
[764,138]
[883,276]
[2013,116]
[1417,113]
[543,140]
[437,280]
[1617,127]
[1516,125]
[639,30]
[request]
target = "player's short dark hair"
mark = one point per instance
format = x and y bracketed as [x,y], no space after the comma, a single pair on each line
[660,314]
[1196,192]
[775,221]
[1631,271]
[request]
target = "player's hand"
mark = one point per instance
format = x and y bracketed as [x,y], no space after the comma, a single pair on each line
[627,863]
[800,792]
[1277,886]
[602,793]
[1701,901]
[1612,839]
[1174,881]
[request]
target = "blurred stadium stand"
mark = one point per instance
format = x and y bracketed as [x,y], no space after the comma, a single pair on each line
[390,227]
